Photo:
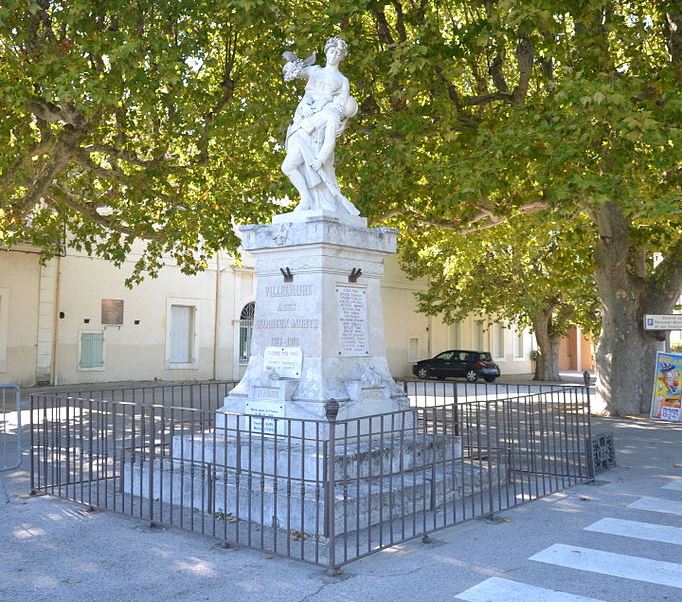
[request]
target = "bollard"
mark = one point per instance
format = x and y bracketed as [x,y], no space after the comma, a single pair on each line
[331,408]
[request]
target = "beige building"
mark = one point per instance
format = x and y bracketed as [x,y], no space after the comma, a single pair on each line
[72,320]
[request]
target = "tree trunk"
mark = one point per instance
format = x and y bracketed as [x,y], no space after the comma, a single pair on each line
[626,353]
[547,364]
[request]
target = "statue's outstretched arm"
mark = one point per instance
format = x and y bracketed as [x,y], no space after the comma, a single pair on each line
[295,67]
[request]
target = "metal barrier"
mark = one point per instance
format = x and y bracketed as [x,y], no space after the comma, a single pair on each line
[203,395]
[437,392]
[10,427]
[326,492]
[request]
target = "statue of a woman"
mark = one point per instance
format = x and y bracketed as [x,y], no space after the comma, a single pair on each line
[320,117]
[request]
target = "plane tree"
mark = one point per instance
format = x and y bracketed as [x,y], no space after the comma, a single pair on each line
[164,121]
[134,121]
[479,111]
[534,271]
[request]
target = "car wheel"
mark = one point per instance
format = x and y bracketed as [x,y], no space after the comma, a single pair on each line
[423,373]
[471,375]
[489,379]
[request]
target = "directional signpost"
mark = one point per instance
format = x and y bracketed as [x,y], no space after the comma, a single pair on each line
[663,322]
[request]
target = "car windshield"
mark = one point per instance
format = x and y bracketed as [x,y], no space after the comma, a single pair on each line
[485,357]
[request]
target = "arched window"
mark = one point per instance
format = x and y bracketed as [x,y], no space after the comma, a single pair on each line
[245,329]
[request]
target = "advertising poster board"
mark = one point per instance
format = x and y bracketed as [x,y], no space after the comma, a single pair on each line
[666,403]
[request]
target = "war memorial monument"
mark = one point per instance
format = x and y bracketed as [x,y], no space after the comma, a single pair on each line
[316,403]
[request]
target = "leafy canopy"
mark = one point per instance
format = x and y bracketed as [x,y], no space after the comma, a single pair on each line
[531,266]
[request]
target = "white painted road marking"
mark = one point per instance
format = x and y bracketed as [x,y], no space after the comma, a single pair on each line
[616,565]
[674,485]
[503,590]
[637,530]
[654,504]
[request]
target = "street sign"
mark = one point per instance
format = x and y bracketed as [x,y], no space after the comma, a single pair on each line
[663,322]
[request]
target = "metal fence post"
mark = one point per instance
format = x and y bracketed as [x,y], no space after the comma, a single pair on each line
[5,463]
[331,408]
[33,467]
[151,467]
[589,450]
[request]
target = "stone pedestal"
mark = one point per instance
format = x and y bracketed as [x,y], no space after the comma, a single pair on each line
[318,329]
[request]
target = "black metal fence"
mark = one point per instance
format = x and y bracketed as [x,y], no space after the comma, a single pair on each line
[430,392]
[204,395]
[10,428]
[323,491]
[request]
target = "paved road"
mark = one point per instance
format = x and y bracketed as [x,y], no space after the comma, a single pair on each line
[618,541]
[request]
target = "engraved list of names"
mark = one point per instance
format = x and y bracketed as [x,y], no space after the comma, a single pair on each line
[352,313]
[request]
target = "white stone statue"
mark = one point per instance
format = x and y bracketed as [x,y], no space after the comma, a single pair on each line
[320,118]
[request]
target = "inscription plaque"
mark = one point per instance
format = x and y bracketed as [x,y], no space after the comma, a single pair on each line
[269,411]
[352,316]
[286,361]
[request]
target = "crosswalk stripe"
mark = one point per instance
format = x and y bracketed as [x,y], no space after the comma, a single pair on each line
[504,590]
[637,530]
[615,565]
[657,505]
[674,485]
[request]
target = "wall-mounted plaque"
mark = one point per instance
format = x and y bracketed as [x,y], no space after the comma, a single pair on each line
[286,361]
[112,311]
[352,316]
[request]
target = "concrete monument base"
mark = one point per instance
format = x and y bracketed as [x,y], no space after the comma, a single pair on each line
[258,480]
[318,329]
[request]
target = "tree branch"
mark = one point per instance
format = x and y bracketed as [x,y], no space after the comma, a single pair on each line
[383,30]
[472,224]
[46,111]
[83,158]
[674,27]
[62,153]
[495,70]
[118,154]
[524,58]
[400,20]
[668,274]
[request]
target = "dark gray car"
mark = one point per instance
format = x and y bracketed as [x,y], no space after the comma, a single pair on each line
[472,365]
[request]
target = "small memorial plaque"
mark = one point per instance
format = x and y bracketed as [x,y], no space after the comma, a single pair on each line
[112,311]
[286,361]
[269,411]
[352,315]
[372,393]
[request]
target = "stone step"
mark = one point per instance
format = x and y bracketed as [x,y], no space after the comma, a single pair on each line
[289,503]
[354,457]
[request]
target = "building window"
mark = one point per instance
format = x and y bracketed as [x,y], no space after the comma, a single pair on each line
[413,349]
[4,327]
[456,335]
[478,336]
[498,340]
[182,331]
[91,351]
[518,345]
[245,331]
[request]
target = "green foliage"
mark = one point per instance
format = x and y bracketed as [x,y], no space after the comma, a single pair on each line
[521,269]
[163,120]
[138,120]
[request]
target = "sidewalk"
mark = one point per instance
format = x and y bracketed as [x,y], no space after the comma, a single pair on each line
[52,549]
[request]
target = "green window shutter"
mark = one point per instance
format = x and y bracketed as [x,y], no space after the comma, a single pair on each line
[92,350]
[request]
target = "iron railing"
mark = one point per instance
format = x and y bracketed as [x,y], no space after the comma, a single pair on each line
[437,392]
[325,491]
[10,427]
[203,395]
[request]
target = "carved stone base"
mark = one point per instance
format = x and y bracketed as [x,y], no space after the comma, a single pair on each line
[318,302]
